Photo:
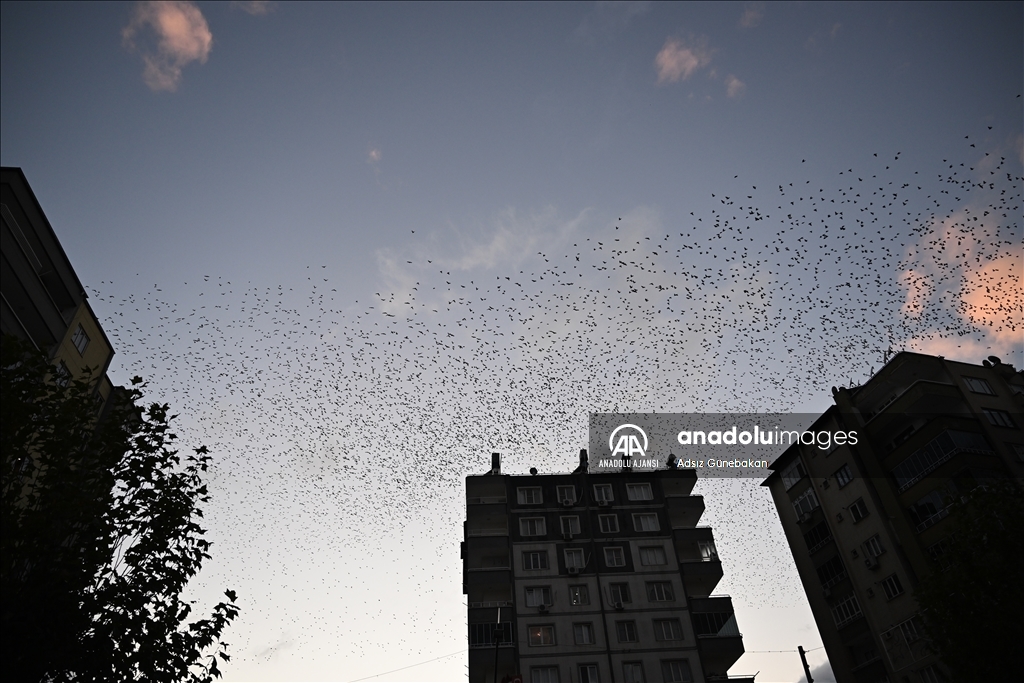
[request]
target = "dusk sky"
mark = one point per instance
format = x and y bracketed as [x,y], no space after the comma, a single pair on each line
[358,247]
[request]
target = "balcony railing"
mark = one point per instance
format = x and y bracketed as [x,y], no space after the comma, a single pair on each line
[929,521]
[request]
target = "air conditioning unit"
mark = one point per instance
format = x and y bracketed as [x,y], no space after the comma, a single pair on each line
[871,562]
[567,503]
[542,607]
[602,503]
[573,571]
[617,605]
[567,536]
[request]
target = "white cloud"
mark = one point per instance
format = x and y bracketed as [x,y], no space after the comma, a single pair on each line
[182,36]
[678,61]
[734,87]
[374,156]
[753,12]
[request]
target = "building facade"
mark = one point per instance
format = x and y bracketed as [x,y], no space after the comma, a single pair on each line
[867,522]
[587,577]
[41,298]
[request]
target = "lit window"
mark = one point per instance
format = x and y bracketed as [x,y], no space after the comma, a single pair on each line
[999,418]
[843,476]
[571,525]
[708,551]
[625,631]
[544,674]
[676,671]
[633,672]
[583,634]
[541,635]
[647,521]
[892,586]
[532,526]
[858,510]
[873,546]
[619,593]
[574,558]
[567,493]
[537,559]
[979,386]
[588,673]
[614,557]
[652,556]
[80,339]
[579,595]
[792,474]
[537,596]
[668,629]
[659,591]
[639,492]
[530,495]
[603,492]
[609,523]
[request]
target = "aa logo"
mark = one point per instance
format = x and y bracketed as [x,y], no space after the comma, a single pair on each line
[628,443]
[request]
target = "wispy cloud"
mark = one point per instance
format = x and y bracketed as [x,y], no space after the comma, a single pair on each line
[734,87]
[753,12]
[181,36]
[374,156]
[607,18]
[677,60]
[256,8]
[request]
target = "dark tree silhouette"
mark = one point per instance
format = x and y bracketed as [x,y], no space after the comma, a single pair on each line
[100,534]
[973,606]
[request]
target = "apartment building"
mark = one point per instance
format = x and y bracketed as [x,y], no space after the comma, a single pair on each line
[41,298]
[593,576]
[867,522]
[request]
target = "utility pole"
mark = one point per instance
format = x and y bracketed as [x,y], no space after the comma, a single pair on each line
[803,658]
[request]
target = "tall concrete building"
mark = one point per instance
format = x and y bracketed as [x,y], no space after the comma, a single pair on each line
[41,298]
[867,522]
[593,576]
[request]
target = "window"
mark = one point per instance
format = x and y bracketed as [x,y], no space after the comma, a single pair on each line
[588,673]
[708,551]
[536,559]
[979,386]
[668,629]
[937,451]
[574,558]
[63,378]
[583,634]
[817,537]
[652,556]
[603,492]
[544,674]
[930,674]
[619,593]
[614,557]
[532,526]
[792,474]
[676,671]
[633,672]
[832,572]
[571,525]
[80,339]
[566,493]
[538,595]
[846,610]
[639,492]
[873,546]
[911,629]
[484,635]
[625,631]
[940,554]
[858,510]
[999,418]
[659,591]
[579,595]
[805,503]
[843,476]
[1018,448]
[609,523]
[529,495]
[647,521]
[892,586]
[541,635]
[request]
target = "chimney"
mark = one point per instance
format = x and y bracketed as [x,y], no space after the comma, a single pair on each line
[495,463]
[584,462]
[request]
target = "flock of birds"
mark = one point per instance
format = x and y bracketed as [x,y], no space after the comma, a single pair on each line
[339,427]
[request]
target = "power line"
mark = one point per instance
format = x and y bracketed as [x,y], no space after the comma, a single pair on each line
[366,678]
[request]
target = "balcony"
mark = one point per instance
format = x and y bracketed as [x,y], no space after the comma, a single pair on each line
[684,511]
[700,578]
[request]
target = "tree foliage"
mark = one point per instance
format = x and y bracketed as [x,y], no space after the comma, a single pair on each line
[973,606]
[101,534]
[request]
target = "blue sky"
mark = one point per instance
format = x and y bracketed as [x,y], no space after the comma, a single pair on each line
[300,163]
